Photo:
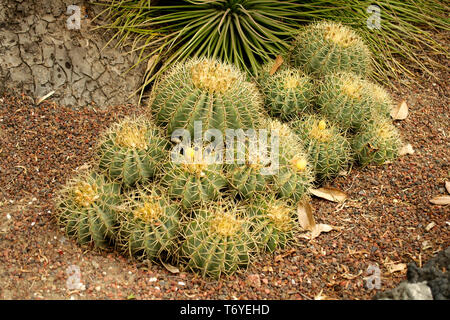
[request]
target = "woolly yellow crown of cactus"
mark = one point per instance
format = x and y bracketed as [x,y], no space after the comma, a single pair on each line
[85,194]
[213,76]
[225,224]
[340,34]
[132,135]
[149,211]
[280,215]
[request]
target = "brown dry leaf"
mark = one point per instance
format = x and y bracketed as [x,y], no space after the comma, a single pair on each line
[319,228]
[400,112]
[305,216]
[329,193]
[406,149]
[396,267]
[278,62]
[447,186]
[170,268]
[430,226]
[441,200]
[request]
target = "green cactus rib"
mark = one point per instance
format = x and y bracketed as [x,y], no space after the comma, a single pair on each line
[324,47]
[86,209]
[193,181]
[288,93]
[350,100]
[217,241]
[327,147]
[245,174]
[131,150]
[294,176]
[273,222]
[376,143]
[215,93]
[149,224]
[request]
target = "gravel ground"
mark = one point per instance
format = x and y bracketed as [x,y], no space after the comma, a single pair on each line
[385,221]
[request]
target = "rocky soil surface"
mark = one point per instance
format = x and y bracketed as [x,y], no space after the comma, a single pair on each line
[41,52]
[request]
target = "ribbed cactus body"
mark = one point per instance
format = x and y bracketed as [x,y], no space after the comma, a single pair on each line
[294,175]
[131,151]
[245,174]
[149,223]
[273,222]
[328,149]
[193,181]
[215,93]
[217,241]
[287,93]
[343,98]
[86,209]
[377,142]
[324,47]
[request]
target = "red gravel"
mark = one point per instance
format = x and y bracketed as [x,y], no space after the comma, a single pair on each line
[383,221]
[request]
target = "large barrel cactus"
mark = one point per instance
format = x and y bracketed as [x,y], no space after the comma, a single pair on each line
[376,143]
[206,90]
[324,47]
[87,209]
[149,223]
[218,240]
[131,150]
[328,149]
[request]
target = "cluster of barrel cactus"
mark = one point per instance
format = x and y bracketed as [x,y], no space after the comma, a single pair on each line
[155,193]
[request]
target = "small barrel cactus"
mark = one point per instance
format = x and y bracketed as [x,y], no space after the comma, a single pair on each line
[343,98]
[287,93]
[149,223]
[377,142]
[328,149]
[294,175]
[206,90]
[131,150]
[193,180]
[86,209]
[273,222]
[324,47]
[218,240]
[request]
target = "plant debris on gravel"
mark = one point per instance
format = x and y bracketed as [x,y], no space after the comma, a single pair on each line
[387,220]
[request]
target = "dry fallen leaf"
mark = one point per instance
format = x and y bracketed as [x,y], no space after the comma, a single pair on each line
[430,226]
[278,62]
[447,186]
[319,228]
[400,112]
[441,200]
[170,268]
[305,216]
[396,267]
[406,149]
[329,193]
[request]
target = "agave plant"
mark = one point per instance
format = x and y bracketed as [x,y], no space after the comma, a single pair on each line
[248,32]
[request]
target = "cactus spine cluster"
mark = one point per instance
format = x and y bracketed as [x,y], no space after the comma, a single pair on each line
[149,223]
[288,93]
[325,47]
[328,149]
[131,150]
[215,93]
[87,209]
[377,143]
[218,240]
